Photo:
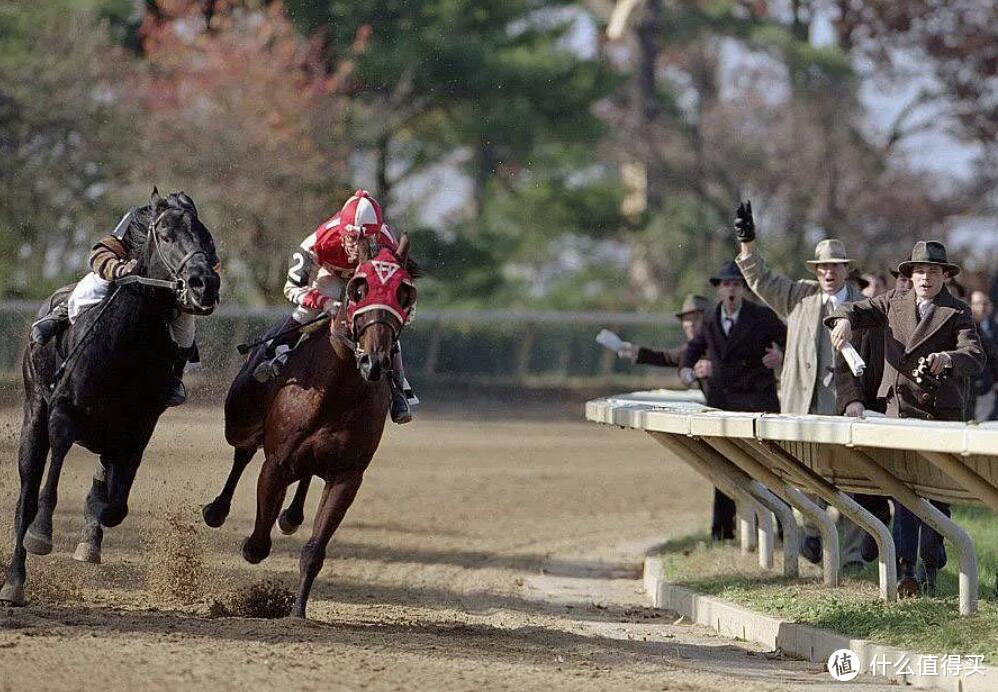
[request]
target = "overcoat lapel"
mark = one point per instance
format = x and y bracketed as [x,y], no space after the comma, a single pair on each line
[903,316]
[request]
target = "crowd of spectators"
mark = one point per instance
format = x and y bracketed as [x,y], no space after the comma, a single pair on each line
[770,343]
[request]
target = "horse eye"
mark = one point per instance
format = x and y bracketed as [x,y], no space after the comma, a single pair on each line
[357,290]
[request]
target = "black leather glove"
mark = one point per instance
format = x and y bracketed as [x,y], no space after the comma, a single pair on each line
[744,223]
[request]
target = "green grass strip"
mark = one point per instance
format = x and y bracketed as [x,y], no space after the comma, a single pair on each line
[926,625]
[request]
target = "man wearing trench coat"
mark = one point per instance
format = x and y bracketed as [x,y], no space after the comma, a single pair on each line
[807,379]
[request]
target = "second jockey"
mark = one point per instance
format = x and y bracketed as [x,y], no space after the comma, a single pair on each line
[318,271]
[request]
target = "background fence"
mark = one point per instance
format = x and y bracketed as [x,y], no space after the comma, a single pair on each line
[530,349]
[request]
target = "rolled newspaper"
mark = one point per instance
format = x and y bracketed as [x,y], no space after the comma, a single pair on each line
[608,339]
[853,360]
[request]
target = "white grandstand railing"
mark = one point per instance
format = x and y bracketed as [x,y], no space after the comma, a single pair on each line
[830,456]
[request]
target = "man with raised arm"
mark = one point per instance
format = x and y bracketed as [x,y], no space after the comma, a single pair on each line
[807,380]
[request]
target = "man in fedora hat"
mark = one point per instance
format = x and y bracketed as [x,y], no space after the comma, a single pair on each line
[738,339]
[807,380]
[928,323]
[690,316]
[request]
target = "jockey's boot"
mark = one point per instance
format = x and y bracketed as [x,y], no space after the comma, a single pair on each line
[177,394]
[270,368]
[400,409]
[51,324]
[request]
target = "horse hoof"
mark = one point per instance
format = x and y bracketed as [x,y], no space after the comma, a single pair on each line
[254,555]
[112,515]
[13,595]
[36,544]
[214,513]
[286,525]
[87,552]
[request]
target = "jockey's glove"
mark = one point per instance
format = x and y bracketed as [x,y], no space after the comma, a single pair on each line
[123,268]
[314,300]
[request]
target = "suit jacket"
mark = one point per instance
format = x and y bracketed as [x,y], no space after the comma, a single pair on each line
[739,381]
[669,357]
[666,358]
[798,303]
[950,329]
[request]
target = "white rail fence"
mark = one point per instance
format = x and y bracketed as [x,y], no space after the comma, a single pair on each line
[763,461]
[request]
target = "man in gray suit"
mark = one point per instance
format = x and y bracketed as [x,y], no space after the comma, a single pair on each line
[807,380]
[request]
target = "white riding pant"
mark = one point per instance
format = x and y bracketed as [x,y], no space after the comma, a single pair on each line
[329,285]
[91,290]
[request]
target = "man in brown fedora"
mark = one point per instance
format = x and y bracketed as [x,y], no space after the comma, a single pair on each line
[930,324]
[738,340]
[807,379]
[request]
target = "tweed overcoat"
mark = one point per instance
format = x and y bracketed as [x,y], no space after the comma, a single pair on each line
[949,328]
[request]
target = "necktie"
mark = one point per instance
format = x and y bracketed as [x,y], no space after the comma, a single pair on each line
[924,309]
[729,323]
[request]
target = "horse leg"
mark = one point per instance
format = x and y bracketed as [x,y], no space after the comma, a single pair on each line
[38,537]
[292,517]
[34,447]
[121,475]
[270,491]
[89,548]
[217,510]
[336,500]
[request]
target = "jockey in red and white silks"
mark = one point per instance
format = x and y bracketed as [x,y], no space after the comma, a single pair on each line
[318,271]
[325,261]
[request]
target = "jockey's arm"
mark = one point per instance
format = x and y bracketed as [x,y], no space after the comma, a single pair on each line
[109,259]
[303,267]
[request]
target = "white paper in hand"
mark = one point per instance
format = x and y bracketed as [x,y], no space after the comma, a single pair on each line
[608,339]
[854,360]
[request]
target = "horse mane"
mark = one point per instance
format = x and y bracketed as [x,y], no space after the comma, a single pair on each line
[413,267]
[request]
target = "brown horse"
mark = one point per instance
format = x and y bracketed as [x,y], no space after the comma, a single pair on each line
[325,413]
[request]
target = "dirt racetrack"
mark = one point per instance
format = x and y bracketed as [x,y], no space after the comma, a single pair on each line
[478,555]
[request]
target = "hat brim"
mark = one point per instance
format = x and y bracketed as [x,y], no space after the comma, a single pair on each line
[904,269]
[814,263]
[688,312]
[716,280]
[894,272]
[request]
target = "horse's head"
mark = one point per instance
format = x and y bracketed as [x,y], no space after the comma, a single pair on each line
[380,297]
[180,248]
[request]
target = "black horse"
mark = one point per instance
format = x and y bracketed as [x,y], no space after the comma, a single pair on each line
[103,384]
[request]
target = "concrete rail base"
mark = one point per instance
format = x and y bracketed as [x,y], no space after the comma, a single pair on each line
[804,641]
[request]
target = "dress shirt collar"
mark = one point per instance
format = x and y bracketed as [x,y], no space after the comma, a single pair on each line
[837,298]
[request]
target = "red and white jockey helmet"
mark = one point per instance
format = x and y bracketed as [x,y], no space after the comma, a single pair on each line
[361,215]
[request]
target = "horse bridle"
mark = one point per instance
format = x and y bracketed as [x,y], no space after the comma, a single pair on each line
[178,285]
[352,337]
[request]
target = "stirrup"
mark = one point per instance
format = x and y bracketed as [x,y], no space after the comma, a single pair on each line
[271,368]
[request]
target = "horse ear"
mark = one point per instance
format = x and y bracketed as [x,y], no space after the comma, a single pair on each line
[403,250]
[154,199]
